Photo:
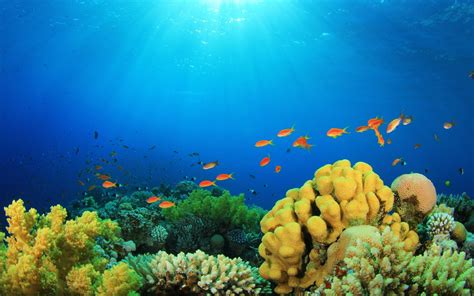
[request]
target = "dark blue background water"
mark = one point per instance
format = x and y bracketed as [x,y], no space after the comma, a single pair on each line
[196,76]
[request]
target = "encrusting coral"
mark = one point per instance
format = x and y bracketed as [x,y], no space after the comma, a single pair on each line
[47,255]
[197,274]
[300,228]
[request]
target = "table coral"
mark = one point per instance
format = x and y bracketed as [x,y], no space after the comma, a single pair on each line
[197,274]
[47,255]
[301,226]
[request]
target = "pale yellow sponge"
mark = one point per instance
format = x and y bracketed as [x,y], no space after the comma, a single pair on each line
[417,188]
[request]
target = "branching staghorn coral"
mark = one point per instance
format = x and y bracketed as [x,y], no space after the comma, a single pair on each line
[47,255]
[383,267]
[197,274]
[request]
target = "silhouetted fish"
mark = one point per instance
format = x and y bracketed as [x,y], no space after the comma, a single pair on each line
[96,135]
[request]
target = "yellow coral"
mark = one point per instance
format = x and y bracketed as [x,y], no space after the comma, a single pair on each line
[45,253]
[80,280]
[338,197]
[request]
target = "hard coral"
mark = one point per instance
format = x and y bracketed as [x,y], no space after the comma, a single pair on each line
[301,226]
[197,274]
[417,189]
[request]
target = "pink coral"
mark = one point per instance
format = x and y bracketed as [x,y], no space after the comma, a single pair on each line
[418,186]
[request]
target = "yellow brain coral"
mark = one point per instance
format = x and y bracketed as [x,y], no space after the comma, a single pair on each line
[301,226]
[417,187]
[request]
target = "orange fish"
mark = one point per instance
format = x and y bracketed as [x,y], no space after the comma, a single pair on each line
[380,139]
[417,146]
[153,199]
[393,124]
[336,132]
[210,165]
[407,120]
[92,187]
[263,143]
[389,141]
[98,167]
[265,161]
[362,128]
[223,177]
[396,161]
[108,184]
[207,183]
[375,122]
[166,204]
[103,177]
[81,183]
[448,125]
[277,169]
[301,141]
[286,132]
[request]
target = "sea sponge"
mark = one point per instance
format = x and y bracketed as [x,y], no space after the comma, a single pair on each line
[416,189]
[301,226]
[459,233]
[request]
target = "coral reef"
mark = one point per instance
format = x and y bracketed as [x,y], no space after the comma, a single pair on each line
[47,255]
[203,204]
[197,274]
[299,230]
[463,206]
[380,266]
[440,223]
[415,197]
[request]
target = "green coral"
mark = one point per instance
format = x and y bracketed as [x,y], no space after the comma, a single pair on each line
[383,267]
[226,210]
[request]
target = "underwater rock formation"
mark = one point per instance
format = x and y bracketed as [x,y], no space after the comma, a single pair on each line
[299,230]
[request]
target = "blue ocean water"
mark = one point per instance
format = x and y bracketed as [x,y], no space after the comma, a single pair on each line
[214,77]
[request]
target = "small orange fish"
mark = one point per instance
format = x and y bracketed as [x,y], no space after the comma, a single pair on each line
[396,161]
[98,167]
[277,169]
[361,129]
[153,199]
[286,132]
[265,161]
[417,146]
[263,143]
[166,204]
[380,139]
[222,177]
[448,125]
[80,182]
[301,141]
[389,141]
[207,183]
[210,165]
[393,124]
[336,132]
[103,177]
[407,120]
[375,122]
[92,187]
[108,184]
